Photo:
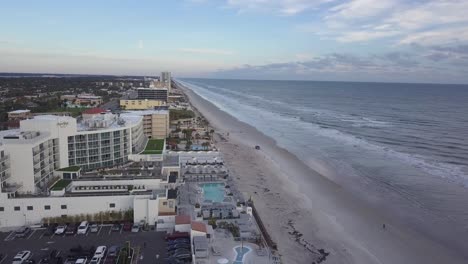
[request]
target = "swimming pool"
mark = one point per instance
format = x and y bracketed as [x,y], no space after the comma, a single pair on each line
[213,191]
[241,252]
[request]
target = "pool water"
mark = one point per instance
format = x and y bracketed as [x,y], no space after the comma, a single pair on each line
[241,252]
[213,191]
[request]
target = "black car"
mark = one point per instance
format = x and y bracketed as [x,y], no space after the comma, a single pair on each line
[116,227]
[71,229]
[50,230]
[177,246]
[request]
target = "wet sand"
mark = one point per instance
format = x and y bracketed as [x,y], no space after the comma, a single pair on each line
[305,211]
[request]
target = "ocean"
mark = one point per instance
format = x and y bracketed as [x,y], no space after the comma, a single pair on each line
[403,148]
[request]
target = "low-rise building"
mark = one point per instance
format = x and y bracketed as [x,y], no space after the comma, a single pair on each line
[18,115]
[82,99]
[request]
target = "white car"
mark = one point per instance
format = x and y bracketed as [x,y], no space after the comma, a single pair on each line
[100,252]
[21,257]
[83,228]
[81,261]
[94,228]
[95,260]
[135,228]
[60,229]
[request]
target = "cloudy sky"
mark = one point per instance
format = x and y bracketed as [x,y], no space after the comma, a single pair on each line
[357,40]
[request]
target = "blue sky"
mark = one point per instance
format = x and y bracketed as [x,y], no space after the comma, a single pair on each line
[357,40]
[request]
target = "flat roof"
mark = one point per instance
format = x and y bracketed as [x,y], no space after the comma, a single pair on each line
[148,112]
[128,118]
[20,111]
[183,220]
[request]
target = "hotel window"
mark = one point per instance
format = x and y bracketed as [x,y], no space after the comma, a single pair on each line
[63,206]
[164,203]
[2,209]
[30,208]
[112,205]
[46,207]
[17,208]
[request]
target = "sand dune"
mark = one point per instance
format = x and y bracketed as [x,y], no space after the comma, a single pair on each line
[305,211]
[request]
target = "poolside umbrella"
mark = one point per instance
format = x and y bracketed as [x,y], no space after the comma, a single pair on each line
[223,261]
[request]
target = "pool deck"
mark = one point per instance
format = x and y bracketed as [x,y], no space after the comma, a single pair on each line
[226,244]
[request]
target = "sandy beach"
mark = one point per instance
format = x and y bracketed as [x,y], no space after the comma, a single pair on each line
[305,211]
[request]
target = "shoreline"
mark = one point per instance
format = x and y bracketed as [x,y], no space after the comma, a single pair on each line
[303,209]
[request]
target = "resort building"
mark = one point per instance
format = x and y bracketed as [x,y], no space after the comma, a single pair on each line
[46,143]
[159,94]
[143,104]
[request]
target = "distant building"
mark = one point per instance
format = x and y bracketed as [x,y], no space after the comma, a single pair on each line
[141,104]
[153,94]
[166,79]
[18,115]
[82,99]
[155,123]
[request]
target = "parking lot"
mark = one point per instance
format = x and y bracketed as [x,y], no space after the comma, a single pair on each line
[149,246]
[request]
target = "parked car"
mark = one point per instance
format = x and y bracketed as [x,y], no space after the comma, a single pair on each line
[71,229]
[21,257]
[100,251]
[22,232]
[50,230]
[95,260]
[94,228]
[81,261]
[127,227]
[113,251]
[177,235]
[135,228]
[83,228]
[177,246]
[116,227]
[60,229]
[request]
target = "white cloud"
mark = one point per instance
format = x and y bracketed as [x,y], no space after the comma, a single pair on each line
[357,36]
[429,22]
[282,7]
[206,51]
[140,44]
[437,37]
[361,9]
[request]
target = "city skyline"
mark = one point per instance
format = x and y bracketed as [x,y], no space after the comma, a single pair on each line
[358,40]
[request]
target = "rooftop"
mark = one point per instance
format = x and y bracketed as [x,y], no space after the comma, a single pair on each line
[182,220]
[19,111]
[93,111]
[108,121]
[199,226]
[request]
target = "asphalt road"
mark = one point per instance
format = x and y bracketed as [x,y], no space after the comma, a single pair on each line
[150,245]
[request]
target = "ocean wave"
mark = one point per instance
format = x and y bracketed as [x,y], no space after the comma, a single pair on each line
[264,119]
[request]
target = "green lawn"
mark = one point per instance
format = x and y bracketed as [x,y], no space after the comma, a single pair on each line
[60,185]
[70,169]
[154,146]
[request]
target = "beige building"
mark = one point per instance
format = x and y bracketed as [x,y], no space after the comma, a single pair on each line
[143,104]
[155,123]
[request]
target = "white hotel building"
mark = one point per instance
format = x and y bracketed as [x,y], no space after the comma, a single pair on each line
[31,156]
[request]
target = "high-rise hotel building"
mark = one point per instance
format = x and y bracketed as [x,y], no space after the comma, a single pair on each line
[47,143]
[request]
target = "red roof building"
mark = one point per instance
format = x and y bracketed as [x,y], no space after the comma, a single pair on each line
[94,111]
[182,220]
[199,226]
